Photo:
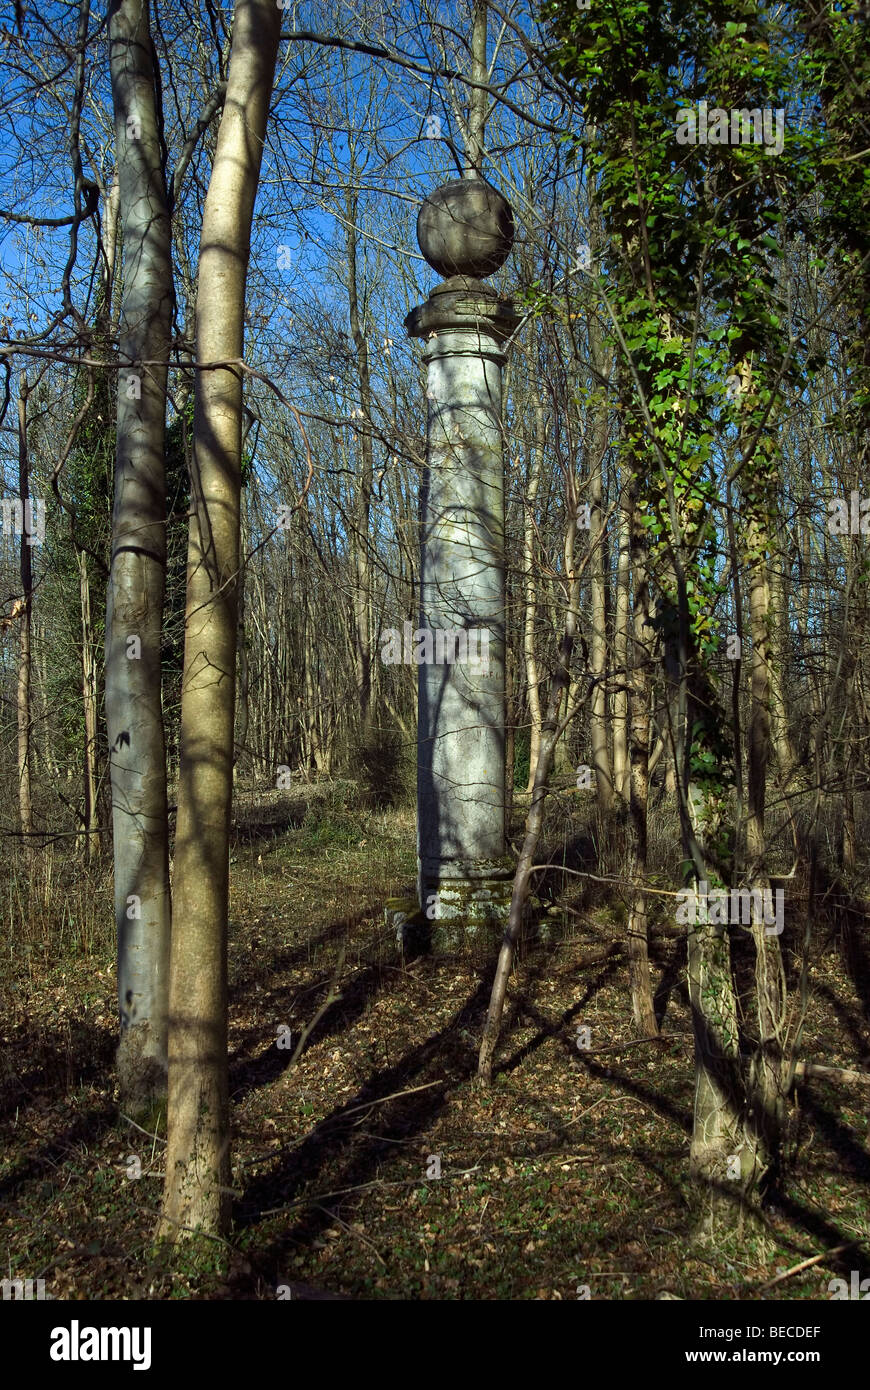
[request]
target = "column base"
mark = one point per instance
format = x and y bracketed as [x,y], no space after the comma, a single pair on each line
[465,906]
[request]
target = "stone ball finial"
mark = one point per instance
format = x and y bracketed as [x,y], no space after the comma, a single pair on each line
[465,228]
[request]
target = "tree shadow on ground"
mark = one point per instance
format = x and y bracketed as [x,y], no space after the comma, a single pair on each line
[854,1157]
[824,1230]
[249,977]
[400,1119]
[85,1129]
[52,1069]
[548,1028]
[248,1074]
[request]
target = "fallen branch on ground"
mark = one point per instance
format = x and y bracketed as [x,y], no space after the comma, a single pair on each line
[806,1264]
[804,1070]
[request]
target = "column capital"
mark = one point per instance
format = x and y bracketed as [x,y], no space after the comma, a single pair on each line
[463,303]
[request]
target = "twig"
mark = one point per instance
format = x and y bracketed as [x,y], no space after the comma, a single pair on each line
[140,1129]
[342,1191]
[805,1264]
[333,1217]
[335,1119]
[598,878]
[395,1096]
[363,1187]
[641,1042]
[331,998]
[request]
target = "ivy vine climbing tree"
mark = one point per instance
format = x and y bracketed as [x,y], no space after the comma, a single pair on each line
[687,274]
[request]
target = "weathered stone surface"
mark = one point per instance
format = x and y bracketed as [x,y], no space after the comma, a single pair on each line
[465,231]
[472,913]
[404,917]
[464,304]
[465,228]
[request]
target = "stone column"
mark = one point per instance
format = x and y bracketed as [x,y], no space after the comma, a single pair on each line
[464,876]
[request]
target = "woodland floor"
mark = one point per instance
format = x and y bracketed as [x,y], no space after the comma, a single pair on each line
[572,1171]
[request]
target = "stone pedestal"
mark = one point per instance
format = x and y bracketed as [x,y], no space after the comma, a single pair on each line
[464,876]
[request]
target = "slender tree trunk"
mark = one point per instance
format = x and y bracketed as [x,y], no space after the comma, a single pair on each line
[534,821]
[311,729]
[563,764]
[243,702]
[89,701]
[478,99]
[25,806]
[530,587]
[785,752]
[598,636]
[621,774]
[642,1006]
[851,758]
[736,687]
[717,1123]
[671,787]
[767,1089]
[509,739]
[110,246]
[848,824]
[47,744]
[134,608]
[196,1191]
[758,739]
[692,708]
[362,602]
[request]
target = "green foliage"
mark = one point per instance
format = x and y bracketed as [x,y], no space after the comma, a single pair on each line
[692,237]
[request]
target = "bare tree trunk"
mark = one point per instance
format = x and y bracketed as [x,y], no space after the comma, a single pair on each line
[671,787]
[717,1123]
[134,606]
[785,753]
[110,246]
[562,761]
[311,729]
[25,806]
[243,701]
[534,821]
[196,1191]
[362,601]
[621,775]
[691,707]
[767,1076]
[509,739]
[848,824]
[530,587]
[642,1005]
[758,738]
[598,636]
[849,732]
[89,701]
[478,99]
[48,750]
